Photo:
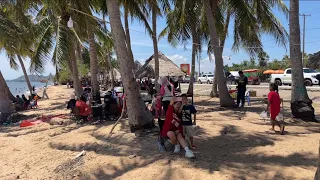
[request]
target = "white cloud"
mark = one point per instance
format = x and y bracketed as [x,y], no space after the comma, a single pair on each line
[178,59]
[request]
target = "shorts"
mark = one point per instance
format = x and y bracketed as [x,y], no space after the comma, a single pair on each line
[189,131]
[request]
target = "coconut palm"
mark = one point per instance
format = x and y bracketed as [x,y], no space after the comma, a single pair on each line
[6,107]
[15,38]
[183,24]
[57,14]
[301,105]
[251,19]
[139,116]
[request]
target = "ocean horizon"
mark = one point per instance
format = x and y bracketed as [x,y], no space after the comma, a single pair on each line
[19,88]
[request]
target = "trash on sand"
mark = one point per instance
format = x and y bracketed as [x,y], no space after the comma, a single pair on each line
[82,153]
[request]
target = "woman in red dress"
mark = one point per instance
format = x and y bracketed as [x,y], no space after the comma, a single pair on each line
[274,103]
[172,128]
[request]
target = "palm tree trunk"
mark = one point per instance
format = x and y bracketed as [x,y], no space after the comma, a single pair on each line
[317,176]
[301,105]
[139,116]
[57,73]
[155,47]
[79,56]
[10,95]
[75,72]
[107,70]
[6,107]
[111,69]
[94,67]
[126,24]
[25,73]
[214,91]
[193,63]
[108,58]
[225,98]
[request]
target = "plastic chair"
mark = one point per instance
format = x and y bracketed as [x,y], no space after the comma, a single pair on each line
[247,96]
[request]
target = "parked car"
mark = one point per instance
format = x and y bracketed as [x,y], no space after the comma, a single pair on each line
[185,79]
[232,77]
[310,77]
[206,78]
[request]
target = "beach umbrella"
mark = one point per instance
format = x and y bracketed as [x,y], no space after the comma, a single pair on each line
[278,71]
[269,71]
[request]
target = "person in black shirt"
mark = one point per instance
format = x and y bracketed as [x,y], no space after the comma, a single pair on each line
[72,103]
[186,111]
[242,83]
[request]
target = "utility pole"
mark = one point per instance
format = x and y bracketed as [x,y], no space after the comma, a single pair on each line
[304,35]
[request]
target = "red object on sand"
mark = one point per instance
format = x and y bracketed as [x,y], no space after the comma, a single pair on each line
[26,123]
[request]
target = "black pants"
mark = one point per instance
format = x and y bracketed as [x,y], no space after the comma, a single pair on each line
[241,96]
[165,105]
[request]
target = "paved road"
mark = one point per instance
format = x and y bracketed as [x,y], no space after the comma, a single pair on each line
[262,90]
[261,86]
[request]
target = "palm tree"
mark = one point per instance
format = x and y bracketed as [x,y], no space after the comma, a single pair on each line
[183,24]
[19,32]
[139,116]
[317,176]
[52,20]
[6,107]
[301,105]
[214,91]
[251,20]
[157,8]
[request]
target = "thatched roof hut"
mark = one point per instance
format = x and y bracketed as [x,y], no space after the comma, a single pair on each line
[116,74]
[314,61]
[166,68]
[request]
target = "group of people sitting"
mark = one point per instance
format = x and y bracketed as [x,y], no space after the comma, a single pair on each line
[23,103]
[85,104]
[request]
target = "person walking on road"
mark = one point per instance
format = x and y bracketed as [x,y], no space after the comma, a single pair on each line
[242,83]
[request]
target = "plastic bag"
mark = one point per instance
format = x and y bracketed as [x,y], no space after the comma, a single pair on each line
[280,117]
[264,115]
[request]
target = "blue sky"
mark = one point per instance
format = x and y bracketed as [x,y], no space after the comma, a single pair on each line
[143,49]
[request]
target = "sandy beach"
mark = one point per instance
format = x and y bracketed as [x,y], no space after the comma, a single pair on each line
[231,144]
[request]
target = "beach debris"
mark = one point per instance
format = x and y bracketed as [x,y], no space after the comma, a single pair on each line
[70,166]
[132,156]
[82,153]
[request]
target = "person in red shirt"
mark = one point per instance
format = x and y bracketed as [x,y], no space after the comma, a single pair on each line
[172,127]
[274,103]
[84,108]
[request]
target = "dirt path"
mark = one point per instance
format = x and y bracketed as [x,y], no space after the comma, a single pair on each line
[231,144]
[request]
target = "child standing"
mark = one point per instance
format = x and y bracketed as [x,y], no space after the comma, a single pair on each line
[274,102]
[186,111]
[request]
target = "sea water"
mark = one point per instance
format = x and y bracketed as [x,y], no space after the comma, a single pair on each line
[18,88]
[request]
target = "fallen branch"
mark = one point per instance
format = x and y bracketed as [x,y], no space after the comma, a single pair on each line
[121,117]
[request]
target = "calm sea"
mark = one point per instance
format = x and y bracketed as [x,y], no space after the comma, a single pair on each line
[22,87]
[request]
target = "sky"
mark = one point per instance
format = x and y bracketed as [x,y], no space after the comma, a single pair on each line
[142,45]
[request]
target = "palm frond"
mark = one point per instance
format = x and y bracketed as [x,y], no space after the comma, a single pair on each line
[13,62]
[43,47]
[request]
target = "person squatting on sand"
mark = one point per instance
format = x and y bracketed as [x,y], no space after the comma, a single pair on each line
[173,130]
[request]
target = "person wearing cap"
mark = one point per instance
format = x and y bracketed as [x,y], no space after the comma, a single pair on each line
[172,128]
[242,83]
